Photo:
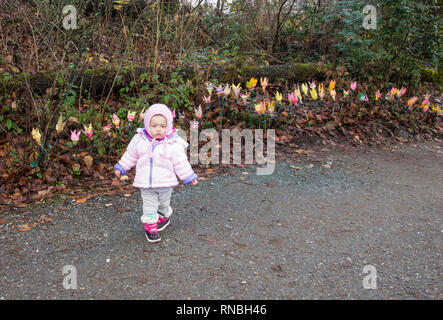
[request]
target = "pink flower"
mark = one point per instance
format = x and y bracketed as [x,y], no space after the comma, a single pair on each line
[312,84]
[377,95]
[173,114]
[198,112]
[88,131]
[207,99]
[353,85]
[75,136]
[116,120]
[427,96]
[292,98]
[107,128]
[131,115]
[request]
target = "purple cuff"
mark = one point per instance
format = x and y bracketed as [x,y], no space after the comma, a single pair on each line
[190,179]
[120,168]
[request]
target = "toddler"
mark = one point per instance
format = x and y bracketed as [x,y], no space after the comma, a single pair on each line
[159,154]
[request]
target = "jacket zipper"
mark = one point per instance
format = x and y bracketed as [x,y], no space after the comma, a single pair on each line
[150,168]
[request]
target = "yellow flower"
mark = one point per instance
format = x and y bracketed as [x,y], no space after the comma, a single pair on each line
[314,94]
[36,135]
[60,124]
[210,88]
[271,106]
[257,107]
[412,101]
[304,87]
[332,85]
[278,96]
[394,91]
[260,108]
[251,83]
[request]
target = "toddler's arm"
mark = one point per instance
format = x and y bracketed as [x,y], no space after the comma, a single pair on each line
[182,167]
[129,158]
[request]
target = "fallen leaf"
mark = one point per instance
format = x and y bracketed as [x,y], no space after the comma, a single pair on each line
[82,200]
[24,227]
[326,166]
[108,204]
[309,166]
[88,160]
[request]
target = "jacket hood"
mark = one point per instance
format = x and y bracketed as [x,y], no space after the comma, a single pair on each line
[162,110]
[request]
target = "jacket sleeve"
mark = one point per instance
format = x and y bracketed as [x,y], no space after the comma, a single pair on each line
[182,167]
[130,157]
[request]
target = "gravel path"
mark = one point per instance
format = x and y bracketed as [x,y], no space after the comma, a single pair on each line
[297,234]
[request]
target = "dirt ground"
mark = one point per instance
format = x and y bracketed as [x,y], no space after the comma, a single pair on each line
[308,231]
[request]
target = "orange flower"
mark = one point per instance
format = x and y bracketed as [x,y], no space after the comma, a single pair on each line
[251,83]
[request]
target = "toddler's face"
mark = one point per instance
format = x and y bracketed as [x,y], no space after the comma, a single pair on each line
[158,126]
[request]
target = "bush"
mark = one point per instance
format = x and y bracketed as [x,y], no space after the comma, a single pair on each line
[405,38]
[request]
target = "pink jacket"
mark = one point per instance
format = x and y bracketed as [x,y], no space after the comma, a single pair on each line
[157,161]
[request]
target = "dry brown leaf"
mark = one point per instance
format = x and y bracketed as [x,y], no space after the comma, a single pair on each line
[88,160]
[24,227]
[82,200]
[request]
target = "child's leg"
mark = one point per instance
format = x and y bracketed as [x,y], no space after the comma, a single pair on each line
[150,206]
[164,199]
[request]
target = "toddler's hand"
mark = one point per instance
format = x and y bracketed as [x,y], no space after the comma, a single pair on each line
[117,173]
[194,182]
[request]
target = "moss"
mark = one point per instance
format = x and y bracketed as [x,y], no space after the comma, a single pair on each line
[96,72]
[429,75]
[292,72]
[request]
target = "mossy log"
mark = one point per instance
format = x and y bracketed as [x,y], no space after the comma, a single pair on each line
[296,72]
[98,82]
